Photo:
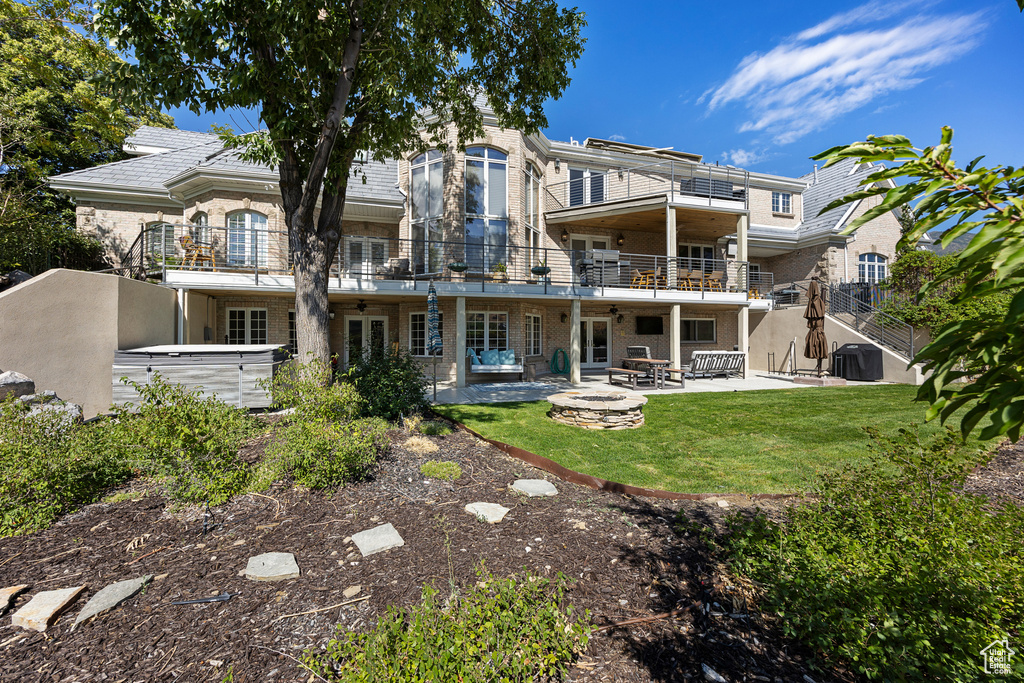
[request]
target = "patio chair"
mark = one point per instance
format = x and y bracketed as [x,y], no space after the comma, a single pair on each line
[196,253]
[396,269]
[714,281]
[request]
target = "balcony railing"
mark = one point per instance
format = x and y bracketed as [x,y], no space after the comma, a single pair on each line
[697,181]
[262,252]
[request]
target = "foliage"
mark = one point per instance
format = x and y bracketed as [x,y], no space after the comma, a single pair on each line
[936,308]
[975,198]
[441,469]
[307,387]
[332,79]
[54,118]
[506,630]
[48,467]
[322,454]
[390,381]
[435,428]
[891,567]
[192,441]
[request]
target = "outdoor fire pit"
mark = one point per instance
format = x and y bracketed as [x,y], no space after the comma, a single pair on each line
[598,409]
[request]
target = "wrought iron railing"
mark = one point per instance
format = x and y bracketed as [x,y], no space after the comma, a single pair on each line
[262,252]
[697,181]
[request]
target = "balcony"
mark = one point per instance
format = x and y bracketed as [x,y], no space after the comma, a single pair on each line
[198,256]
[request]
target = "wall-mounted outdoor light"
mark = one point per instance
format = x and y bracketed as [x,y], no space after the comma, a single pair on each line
[330,313]
[620,240]
[558,165]
[565,318]
[565,236]
[361,306]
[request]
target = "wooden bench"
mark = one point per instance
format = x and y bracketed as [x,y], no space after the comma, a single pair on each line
[714,363]
[632,375]
[676,371]
[497,368]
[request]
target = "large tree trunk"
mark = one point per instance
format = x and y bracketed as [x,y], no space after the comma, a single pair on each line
[312,259]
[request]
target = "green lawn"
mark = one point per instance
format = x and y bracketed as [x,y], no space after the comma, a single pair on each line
[744,442]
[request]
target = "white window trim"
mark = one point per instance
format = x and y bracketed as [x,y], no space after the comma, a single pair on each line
[248,322]
[714,326]
[426,332]
[588,173]
[540,335]
[253,240]
[487,340]
[783,196]
[367,262]
[881,261]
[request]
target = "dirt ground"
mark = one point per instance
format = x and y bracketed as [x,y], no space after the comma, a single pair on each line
[630,559]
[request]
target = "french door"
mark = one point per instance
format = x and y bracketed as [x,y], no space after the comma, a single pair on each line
[595,342]
[363,255]
[580,245]
[363,333]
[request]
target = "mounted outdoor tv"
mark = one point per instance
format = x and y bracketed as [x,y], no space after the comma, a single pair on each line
[650,324]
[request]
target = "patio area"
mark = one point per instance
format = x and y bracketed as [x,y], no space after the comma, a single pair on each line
[598,381]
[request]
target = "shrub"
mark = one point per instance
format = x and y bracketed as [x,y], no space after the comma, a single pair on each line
[48,467]
[441,469]
[190,440]
[321,454]
[499,630]
[309,389]
[391,383]
[435,428]
[893,568]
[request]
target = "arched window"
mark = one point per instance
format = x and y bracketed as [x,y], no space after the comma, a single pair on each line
[871,267]
[247,239]
[199,228]
[531,201]
[160,243]
[427,209]
[486,208]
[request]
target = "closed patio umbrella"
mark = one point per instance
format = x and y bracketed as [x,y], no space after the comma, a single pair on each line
[815,346]
[434,344]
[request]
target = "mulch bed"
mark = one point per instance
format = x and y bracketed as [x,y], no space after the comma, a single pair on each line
[630,558]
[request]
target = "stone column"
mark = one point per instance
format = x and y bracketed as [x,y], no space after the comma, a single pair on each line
[742,223]
[671,248]
[675,337]
[575,343]
[743,337]
[460,342]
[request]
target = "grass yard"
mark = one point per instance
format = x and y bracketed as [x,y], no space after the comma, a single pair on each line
[741,442]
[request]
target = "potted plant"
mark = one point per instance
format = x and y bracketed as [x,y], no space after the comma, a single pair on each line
[458,266]
[499,272]
[541,268]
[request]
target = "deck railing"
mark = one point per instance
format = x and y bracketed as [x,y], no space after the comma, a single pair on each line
[262,252]
[697,181]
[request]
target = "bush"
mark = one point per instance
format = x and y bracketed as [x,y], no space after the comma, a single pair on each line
[435,428]
[500,630]
[321,454]
[391,383]
[308,388]
[190,440]
[441,469]
[49,467]
[892,568]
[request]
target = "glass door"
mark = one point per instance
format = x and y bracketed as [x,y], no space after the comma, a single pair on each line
[363,333]
[582,261]
[595,347]
[363,255]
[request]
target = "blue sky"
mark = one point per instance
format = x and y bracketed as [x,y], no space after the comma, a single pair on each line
[765,85]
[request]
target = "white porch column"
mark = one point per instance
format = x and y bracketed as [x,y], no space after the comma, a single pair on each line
[575,344]
[460,342]
[671,248]
[742,224]
[675,337]
[181,316]
[743,337]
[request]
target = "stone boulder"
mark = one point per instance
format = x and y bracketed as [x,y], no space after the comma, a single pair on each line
[15,384]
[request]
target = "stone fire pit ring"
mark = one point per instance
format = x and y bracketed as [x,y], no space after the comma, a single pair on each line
[598,409]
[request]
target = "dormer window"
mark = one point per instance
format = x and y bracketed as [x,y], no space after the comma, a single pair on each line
[782,202]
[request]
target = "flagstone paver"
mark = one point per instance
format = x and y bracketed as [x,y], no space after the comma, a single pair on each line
[272,567]
[8,594]
[44,608]
[535,488]
[110,597]
[492,513]
[377,539]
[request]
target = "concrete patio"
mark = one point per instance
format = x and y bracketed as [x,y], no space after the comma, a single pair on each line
[546,385]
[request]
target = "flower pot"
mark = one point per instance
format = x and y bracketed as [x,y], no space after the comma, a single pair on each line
[540,270]
[458,266]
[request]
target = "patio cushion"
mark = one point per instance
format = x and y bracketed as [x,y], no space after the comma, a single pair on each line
[507,357]
[490,357]
[473,358]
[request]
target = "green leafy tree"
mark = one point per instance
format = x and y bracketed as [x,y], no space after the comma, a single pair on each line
[332,78]
[986,352]
[54,118]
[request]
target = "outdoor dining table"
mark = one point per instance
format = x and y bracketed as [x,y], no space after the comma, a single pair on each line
[657,368]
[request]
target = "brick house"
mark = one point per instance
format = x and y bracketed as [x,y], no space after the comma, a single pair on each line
[533,245]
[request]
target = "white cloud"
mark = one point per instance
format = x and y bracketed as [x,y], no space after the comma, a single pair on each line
[819,74]
[617,138]
[744,157]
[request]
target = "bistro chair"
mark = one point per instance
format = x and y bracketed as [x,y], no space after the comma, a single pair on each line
[197,254]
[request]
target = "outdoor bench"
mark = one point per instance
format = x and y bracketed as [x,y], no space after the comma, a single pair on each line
[495,362]
[712,363]
[632,375]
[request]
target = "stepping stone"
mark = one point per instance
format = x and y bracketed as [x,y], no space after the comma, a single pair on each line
[7,596]
[535,488]
[272,567]
[492,513]
[44,608]
[377,539]
[110,597]
[351,591]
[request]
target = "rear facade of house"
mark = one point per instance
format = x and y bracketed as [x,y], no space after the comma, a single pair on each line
[563,253]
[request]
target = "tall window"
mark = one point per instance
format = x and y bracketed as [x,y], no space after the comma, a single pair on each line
[697,330]
[427,208]
[418,332]
[782,202]
[871,267]
[247,326]
[486,208]
[533,335]
[487,331]
[586,186]
[160,240]
[531,192]
[200,228]
[247,239]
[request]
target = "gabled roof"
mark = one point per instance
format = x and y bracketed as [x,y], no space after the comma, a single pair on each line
[831,183]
